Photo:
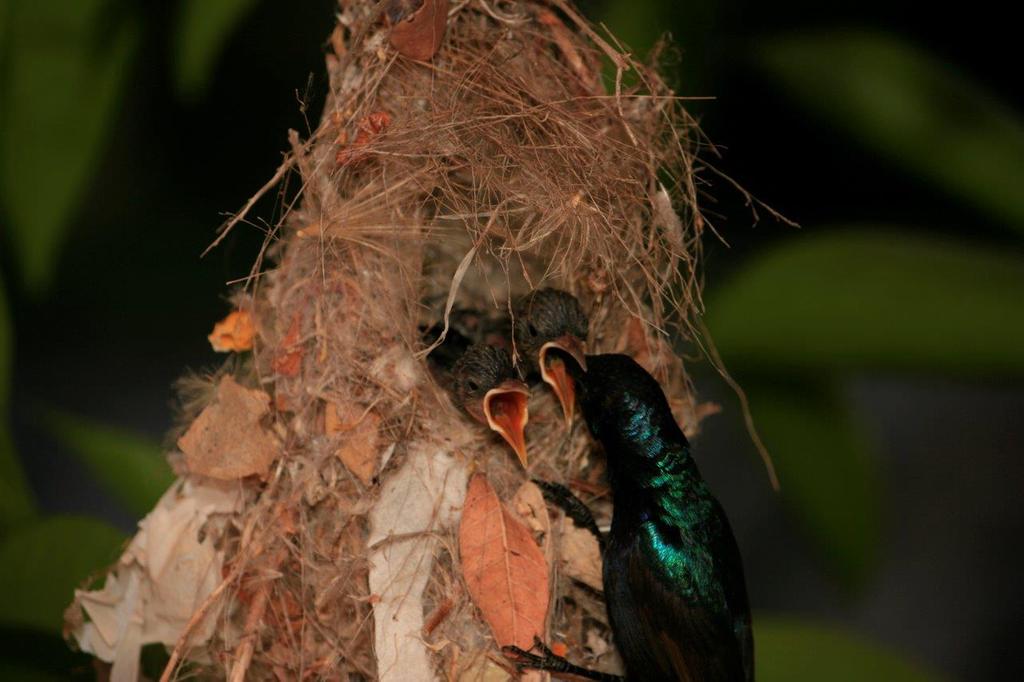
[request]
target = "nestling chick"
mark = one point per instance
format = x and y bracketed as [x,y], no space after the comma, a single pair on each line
[485,384]
[549,326]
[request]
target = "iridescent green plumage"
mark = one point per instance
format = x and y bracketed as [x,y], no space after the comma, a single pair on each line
[673,576]
[682,507]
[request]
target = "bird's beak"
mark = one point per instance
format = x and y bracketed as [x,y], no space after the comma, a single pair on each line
[555,373]
[506,413]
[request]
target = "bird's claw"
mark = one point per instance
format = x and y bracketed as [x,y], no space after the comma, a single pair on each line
[573,507]
[530,660]
[550,661]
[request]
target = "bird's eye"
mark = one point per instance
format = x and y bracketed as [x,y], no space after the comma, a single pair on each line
[473,386]
[532,329]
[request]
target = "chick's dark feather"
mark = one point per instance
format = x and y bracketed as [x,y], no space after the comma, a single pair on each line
[479,369]
[466,327]
[544,315]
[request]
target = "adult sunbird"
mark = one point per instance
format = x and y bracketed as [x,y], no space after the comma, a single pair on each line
[672,572]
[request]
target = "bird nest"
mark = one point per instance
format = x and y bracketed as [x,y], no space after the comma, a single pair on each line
[468,153]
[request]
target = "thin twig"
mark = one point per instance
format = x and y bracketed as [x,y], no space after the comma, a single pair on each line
[748,417]
[282,170]
[252,623]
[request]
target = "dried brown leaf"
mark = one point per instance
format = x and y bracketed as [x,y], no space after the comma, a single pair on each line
[636,344]
[580,556]
[359,431]
[233,333]
[227,441]
[165,573]
[288,360]
[482,669]
[597,644]
[338,41]
[416,501]
[503,567]
[689,415]
[418,35]
[529,505]
[370,127]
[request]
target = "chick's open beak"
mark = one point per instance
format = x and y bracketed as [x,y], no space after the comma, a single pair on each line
[555,373]
[506,413]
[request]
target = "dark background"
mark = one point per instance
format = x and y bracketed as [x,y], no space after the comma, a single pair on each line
[131,302]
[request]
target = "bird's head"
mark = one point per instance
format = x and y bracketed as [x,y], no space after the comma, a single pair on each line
[486,386]
[551,332]
[620,400]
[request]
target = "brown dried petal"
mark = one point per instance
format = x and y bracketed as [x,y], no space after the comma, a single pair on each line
[233,333]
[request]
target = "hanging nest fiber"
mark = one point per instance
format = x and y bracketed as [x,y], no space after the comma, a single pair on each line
[335,516]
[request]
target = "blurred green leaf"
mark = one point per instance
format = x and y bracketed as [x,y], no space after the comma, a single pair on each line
[131,468]
[43,563]
[5,11]
[637,23]
[688,62]
[795,650]
[16,504]
[203,27]
[828,475]
[872,298]
[636,26]
[912,108]
[67,61]
[6,349]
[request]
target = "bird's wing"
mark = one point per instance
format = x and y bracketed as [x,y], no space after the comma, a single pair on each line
[687,641]
[729,568]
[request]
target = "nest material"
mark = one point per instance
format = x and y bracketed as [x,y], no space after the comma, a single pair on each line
[503,164]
